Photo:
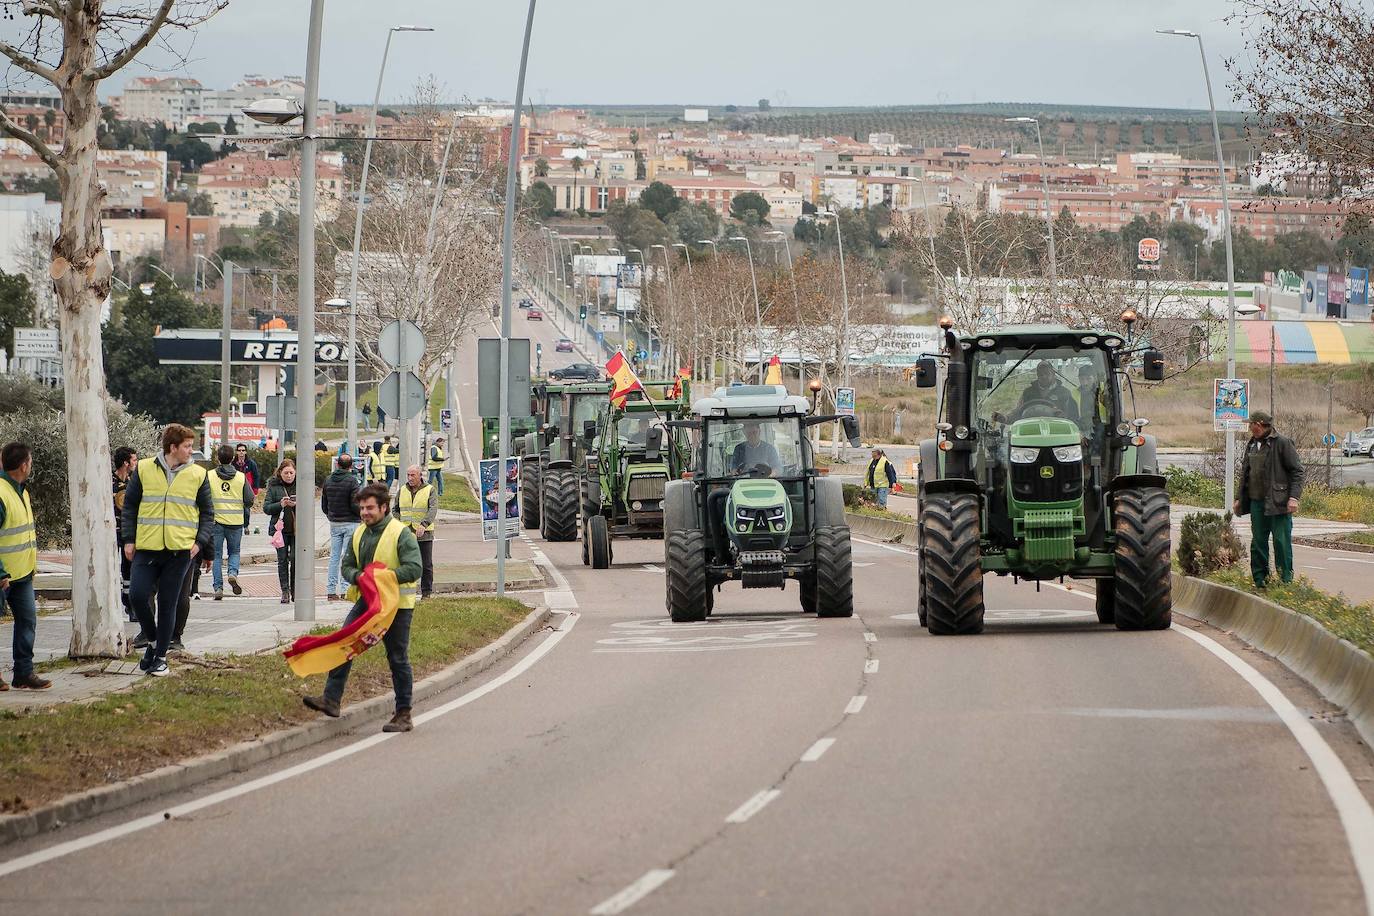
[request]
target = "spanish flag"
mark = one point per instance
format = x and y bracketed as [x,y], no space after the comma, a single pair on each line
[318,654]
[774,372]
[683,375]
[623,377]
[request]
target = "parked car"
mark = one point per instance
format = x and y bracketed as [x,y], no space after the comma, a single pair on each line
[1360,443]
[581,371]
[563,346]
[534,315]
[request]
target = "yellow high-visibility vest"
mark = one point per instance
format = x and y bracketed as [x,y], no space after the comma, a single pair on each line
[391,456]
[437,458]
[18,539]
[878,477]
[388,554]
[376,470]
[168,517]
[414,507]
[228,495]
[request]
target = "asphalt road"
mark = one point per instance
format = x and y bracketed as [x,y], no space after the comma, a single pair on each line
[770,762]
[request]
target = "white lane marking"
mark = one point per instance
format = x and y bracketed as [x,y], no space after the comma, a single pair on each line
[864,565]
[1311,566]
[1349,560]
[870,636]
[814,752]
[1354,810]
[152,820]
[752,806]
[885,546]
[855,704]
[636,892]
[649,567]
[871,666]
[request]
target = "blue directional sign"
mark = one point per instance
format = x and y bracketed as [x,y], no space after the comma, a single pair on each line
[642,355]
[1329,439]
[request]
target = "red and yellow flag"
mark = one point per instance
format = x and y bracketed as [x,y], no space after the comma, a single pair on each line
[774,376]
[318,654]
[683,375]
[623,378]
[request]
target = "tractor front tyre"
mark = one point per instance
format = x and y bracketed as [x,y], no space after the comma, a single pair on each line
[684,556]
[590,495]
[951,558]
[834,572]
[1106,601]
[560,507]
[529,493]
[596,539]
[1142,589]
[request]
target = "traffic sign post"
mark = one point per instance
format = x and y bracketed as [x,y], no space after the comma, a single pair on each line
[402,346]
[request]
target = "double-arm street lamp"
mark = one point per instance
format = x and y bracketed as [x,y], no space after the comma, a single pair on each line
[796,300]
[1049,210]
[758,308]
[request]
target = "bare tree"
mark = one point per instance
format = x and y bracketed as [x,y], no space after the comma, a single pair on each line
[74,45]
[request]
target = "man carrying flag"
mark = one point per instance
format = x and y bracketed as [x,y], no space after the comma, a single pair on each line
[623,378]
[389,541]
[683,375]
[774,372]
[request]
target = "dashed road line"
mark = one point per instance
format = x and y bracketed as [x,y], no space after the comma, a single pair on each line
[855,705]
[871,666]
[870,636]
[752,806]
[636,892]
[815,751]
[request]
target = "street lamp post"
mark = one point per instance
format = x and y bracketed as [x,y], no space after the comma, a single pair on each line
[1230,482]
[758,308]
[796,300]
[1049,214]
[696,310]
[643,288]
[715,251]
[844,328]
[668,346]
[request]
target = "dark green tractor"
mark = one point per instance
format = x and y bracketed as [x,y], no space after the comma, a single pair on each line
[755,509]
[550,484]
[1036,472]
[630,459]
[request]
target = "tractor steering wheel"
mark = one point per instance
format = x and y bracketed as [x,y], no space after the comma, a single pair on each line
[1027,407]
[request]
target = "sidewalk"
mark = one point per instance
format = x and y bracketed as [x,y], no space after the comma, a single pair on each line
[257,621]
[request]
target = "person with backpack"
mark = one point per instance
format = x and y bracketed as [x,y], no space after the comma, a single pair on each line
[336,502]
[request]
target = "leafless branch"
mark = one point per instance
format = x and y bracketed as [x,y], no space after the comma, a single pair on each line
[9,126]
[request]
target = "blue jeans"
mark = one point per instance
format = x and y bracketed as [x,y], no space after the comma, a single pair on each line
[231,535]
[339,534]
[20,599]
[390,475]
[397,643]
[882,496]
[436,477]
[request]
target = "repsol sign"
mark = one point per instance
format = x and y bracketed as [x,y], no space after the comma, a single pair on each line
[244,352]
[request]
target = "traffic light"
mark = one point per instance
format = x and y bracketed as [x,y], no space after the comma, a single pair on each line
[582,313]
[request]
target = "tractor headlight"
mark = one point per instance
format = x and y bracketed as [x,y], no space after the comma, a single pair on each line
[743,527]
[636,505]
[1023,455]
[1068,453]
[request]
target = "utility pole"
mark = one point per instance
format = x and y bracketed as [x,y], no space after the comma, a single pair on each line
[225,351]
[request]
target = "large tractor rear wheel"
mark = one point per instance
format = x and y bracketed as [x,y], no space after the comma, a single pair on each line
[684,556]
[596,536]
[559,511]
[834,572]
[951,562]
[529,493]
[1142,587]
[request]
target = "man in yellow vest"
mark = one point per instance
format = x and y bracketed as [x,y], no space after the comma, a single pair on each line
[169,507]
[391,460]
[381,539]
[417,504]
[880,477]
[19,561]
[437,459]
[233,504]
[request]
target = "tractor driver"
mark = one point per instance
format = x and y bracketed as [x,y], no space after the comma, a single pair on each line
[1092,395]
[754,451]
[1048,389]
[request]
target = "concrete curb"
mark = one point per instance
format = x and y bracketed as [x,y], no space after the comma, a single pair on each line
[886,530]
[1323,543]
[483,588]
[84,805]
[1339,670]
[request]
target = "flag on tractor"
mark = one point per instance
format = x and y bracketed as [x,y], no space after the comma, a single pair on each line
[774,372]
[623,378]
[318,654]
[683,375]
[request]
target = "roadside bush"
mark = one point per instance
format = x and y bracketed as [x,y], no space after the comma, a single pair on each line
[1343,504]
[1206,543]
[855,496]
[32,413]
[1193,488]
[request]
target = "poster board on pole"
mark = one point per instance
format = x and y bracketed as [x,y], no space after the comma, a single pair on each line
[1231,400]
[494,491]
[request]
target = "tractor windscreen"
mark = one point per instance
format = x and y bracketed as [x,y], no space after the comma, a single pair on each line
[633,429]
[763,446]
[1015,384]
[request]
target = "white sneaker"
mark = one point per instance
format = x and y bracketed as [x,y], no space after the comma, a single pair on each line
[159,668]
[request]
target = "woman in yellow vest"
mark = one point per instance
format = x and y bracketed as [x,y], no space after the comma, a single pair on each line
[169,507]
[380,539]
[19,561]
[417,504]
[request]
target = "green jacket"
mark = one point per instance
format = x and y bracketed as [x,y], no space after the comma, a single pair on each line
[18,488]
[407,548]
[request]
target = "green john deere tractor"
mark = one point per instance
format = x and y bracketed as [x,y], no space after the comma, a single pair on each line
[630,459]
[755,509]
[1036,472]
[551,455]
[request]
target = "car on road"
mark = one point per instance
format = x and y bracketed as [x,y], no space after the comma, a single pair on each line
[526,303]
[1360,443]
[563,346]
[584,371]
[534,314]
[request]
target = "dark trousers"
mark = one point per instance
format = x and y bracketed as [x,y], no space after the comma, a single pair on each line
[397,643]
[1261,527]
[286,565]
[161,573]
[125,565]
[391,474]
[188,588]
[426,567]
[23,604]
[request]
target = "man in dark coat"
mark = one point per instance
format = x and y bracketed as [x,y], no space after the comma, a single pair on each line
[1271,479]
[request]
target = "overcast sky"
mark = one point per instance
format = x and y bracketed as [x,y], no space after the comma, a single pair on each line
[796,52]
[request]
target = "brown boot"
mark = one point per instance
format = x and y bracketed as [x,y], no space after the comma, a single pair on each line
[31,682]
[322,704]
[3,685]
[399,722]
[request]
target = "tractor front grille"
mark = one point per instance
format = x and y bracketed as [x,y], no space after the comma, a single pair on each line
[1047,481]
[647,486]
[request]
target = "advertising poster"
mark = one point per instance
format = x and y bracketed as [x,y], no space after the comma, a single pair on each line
[844,402]
[1232,404]
[495,492]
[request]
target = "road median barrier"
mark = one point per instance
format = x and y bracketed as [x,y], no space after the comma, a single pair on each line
[887,530]
[1338,669]
[82,805]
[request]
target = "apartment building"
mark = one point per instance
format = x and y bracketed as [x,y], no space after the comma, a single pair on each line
[1267,217]
[246,185]
[1092,208]
[179,101]
[131,176]
[174,101]
[1171,169]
